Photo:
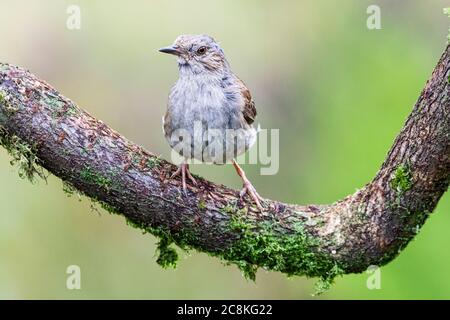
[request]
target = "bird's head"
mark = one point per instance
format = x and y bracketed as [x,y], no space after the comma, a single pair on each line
[198,54]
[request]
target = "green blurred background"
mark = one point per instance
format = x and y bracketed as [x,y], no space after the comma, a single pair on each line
[338,92]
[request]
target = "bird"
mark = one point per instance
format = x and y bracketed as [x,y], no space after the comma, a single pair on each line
[210,111]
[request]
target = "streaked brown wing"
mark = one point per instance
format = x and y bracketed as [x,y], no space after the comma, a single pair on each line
[248,109]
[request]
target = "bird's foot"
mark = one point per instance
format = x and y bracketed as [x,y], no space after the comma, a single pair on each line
[249,189]
[183,170]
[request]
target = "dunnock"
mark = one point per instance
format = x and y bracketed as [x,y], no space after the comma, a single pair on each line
[210,110]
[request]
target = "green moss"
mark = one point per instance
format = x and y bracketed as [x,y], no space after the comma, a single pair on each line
[144,161]
[202,204]
[60,107]
[3,98]
[167,256]
[158,231]
[326,281]
[54,103]
[229,208]
[90,175]
[22,155]
[7,106]
[108,208]
[401,180]
[267,245]
[70,190]
[153,162]
[239,224]
[185,238]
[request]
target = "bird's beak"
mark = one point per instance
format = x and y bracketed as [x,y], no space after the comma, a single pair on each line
[171,50]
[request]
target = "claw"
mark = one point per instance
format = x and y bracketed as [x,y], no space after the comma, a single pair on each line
[248,188]
[183,170]
[251,191]
[189,175]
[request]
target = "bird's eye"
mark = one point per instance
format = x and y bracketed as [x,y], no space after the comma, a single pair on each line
[201,50]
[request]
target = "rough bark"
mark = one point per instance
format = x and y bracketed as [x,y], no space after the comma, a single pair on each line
[41,127]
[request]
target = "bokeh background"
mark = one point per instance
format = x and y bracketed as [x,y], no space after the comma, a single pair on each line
[338,92]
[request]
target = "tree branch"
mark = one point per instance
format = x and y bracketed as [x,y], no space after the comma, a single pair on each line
[40,127]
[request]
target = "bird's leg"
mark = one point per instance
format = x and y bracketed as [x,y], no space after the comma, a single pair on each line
[183,169]
[248,187]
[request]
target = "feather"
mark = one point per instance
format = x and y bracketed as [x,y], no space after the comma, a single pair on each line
[248,107]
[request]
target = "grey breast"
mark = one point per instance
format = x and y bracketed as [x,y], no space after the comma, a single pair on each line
[204,121]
